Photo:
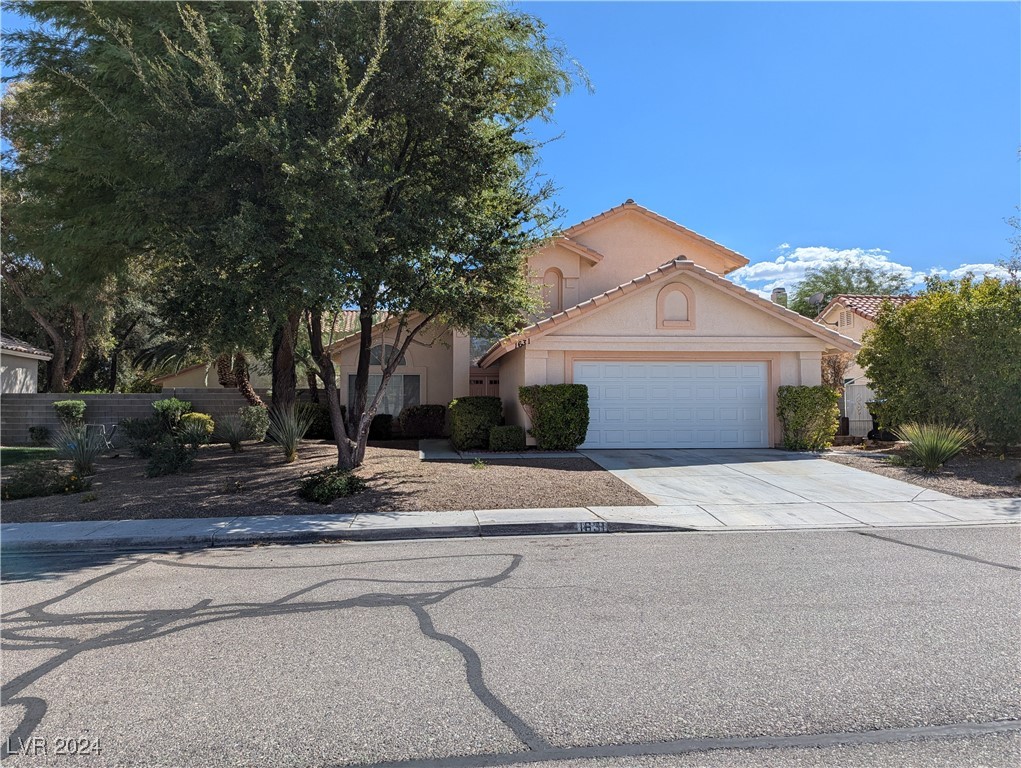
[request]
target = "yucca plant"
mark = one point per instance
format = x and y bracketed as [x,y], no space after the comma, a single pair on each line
[81,446]
[232,429]
[287,427]
[933,445]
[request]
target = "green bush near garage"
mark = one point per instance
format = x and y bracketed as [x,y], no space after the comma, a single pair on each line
[471,419]
[559,414]
[507,438]
[809,415]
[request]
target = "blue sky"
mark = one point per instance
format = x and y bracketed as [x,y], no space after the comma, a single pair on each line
[797,133]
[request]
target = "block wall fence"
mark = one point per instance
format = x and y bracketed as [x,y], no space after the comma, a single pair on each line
[18,412]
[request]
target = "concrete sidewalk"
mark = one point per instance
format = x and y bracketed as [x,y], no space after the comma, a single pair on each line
[239,531]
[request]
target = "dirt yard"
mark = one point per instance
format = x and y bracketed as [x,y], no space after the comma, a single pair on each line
[970,476]
[258,482]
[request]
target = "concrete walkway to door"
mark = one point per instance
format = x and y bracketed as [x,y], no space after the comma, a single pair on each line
[752,488]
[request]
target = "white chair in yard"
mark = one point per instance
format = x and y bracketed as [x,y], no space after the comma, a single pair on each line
[100,430]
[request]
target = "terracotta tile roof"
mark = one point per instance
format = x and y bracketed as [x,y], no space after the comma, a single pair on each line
[630,205]
[547,324]
[17,345]
[866,306]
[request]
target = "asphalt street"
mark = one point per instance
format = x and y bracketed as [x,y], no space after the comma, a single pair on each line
[893,648]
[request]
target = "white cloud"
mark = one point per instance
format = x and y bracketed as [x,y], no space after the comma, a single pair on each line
[790,265]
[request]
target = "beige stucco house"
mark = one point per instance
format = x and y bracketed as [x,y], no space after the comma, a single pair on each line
[638,308]
[19,365]
[674,355]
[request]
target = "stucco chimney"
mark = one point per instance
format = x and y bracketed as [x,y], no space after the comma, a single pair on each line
[779,296]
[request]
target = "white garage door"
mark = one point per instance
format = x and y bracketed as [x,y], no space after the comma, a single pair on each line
[675,405]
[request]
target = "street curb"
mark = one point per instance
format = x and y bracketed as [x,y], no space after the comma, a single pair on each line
[172,543]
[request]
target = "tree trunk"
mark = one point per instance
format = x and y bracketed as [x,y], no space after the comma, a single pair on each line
[285,379]
[313,386]
[242,381]
[345,458]
[55,367]
[79,321]
[225,373]
[367,306]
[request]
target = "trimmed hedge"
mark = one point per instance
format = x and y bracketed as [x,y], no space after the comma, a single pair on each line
[70,412]
[810,416]
[508,438]
[256,421]
[559,414]
[170,411]
[381,427]
[423,421]
[471,419]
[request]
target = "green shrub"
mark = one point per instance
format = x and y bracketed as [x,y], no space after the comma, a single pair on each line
[471,418]
[170,411]
[80,446]
[169,457]
[287,428]
[142,434]
[508,438]
[809,416]
[232,430]
[70,412]
[423,421]
[256,421]
[329,484]
[559,414]
[41,479]
[933,445]
[381,427]
[196,429]
[39,435]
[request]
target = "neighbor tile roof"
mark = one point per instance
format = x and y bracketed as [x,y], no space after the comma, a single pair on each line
[17,345]
[866,306]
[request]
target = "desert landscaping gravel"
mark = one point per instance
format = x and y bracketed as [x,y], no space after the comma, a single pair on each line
[258,482]
[982,476]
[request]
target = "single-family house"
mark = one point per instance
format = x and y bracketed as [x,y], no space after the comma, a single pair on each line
[852,315]
[19,365]
[639,309]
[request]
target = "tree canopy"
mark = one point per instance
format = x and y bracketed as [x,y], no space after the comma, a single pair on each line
[834,279]
[288,159]
[952,355]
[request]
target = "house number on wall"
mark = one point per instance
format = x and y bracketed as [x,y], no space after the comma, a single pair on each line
[521,343]
[594,527]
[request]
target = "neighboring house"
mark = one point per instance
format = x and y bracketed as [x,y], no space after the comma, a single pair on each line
[674,355]
[19,365]
[852,315]
[203,376]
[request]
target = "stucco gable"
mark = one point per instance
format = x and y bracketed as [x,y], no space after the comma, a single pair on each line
[587,231]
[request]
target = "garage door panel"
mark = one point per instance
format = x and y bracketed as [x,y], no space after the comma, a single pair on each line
[675,405]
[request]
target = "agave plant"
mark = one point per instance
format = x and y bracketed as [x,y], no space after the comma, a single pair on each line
[933,445]
[232,430]
[287,427]
[80,445]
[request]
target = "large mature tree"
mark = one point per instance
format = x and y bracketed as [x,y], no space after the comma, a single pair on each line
[299,157]
[833,279]
[952,355]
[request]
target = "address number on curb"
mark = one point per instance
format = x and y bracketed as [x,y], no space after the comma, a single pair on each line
[593,527]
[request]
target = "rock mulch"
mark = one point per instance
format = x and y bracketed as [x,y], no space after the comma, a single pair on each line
[258,482]
[968,476]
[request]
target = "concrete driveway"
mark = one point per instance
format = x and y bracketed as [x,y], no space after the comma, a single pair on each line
[765,487]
